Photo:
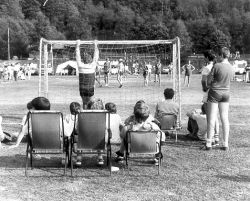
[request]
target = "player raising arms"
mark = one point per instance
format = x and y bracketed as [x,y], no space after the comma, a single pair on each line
[86,74]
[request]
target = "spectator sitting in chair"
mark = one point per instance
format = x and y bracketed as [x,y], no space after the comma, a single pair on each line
[116,123]
[141,114]
[39,103]
[93,104]
[166,106]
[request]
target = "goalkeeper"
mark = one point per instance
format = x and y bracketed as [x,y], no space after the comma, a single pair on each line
[86,74]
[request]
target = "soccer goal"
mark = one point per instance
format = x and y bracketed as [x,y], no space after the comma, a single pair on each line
[62,86]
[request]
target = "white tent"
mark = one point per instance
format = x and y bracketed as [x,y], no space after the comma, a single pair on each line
[61,67]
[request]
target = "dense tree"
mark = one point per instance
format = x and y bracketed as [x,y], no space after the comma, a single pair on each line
[200,24]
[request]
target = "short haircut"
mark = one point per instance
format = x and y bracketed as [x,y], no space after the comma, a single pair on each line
[40,103]
[74,108]
[225,52]
[111,107]
[29,105]
[141,112]
[168,93]
[95,104]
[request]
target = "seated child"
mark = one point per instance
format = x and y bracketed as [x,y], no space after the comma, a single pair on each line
[115,122]
[166,106]
[39,103]
[197,125]
[69,119]
[141,114]
[131,118]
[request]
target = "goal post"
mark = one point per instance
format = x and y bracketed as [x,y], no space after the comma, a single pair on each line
[146,50]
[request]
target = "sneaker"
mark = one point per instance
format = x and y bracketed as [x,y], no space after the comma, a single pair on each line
[215,143]
[114,169]
[120,86]
[224,148]
[119,156]
[206,148]
[156,161]
[78,163]
[100,161]
[37,156]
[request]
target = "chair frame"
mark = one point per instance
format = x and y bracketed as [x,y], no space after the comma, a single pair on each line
[172,128]
[92,151]
[30,150]
[129,151]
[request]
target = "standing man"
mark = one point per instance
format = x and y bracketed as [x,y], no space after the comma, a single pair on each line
[120,73]
[86,74]
[106,69]
[158,72]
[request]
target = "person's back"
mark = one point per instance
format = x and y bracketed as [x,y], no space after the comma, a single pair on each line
[167,106]
[223,73]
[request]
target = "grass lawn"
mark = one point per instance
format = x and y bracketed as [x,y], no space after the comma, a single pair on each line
[187,172]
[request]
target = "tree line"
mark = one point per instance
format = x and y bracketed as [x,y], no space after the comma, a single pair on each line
[200,24]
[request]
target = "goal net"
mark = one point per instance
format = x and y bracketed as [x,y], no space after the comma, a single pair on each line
[58,72]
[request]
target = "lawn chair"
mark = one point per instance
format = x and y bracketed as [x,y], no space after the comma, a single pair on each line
[46,136]
[91,129]
[142,143]
[169,124]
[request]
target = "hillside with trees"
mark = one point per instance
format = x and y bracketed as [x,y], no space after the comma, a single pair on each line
[200,24]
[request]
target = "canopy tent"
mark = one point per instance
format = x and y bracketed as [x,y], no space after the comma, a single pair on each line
[61,67]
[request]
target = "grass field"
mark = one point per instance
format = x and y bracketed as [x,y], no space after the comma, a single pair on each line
[188,173]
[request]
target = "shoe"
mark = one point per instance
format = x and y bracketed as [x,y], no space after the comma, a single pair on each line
[120,86]
[37,156]
[100,161]
[114,169]
[215,143]
[78,163]
[206,148]
[119,156]
[156,161]
[224,148]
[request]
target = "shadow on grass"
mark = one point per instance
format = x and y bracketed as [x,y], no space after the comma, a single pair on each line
[236,178]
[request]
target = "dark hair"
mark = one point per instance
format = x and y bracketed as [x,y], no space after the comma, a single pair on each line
[225,52]
[95,104]
[169,93]
[111,107]
[40,103]
[141,112]
[203,108]
[29,105]
[74,107]
[210,55]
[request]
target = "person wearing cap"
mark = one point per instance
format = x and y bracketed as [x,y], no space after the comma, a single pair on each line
[87,74]
[141,114]
[120,73]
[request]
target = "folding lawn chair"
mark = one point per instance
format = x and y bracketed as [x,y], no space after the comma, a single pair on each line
[142,143]
[47,135]
[169,124]
[91,129]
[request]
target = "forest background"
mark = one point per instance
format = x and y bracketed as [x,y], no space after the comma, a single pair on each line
[200,24]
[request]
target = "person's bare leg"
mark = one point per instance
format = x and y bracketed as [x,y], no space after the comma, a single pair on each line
[211,119]
[223,109]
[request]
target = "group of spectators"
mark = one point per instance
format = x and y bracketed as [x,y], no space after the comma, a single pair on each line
[141,119]
[15,71]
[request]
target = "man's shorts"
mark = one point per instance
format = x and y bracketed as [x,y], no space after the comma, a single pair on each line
[87,84]
[217,96]
[120,73]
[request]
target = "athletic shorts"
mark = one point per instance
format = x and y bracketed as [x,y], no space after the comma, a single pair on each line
[106,73]
[120,73]
[217,96]
[87,84]
[157,72]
